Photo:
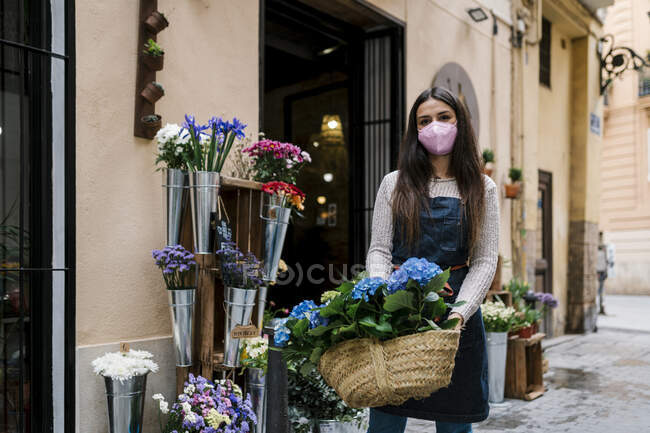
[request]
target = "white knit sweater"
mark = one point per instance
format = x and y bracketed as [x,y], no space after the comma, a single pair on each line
[483,257]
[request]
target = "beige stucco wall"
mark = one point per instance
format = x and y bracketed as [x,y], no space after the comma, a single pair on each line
[438,32]
[554,140]
[211,68]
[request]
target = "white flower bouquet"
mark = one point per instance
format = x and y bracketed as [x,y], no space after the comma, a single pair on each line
[497,317]
[124,365]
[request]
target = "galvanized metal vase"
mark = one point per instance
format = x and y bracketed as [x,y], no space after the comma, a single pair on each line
[497,350]
[175,184]
[181,308]
[125,403]
[256,387]
[275,230]
[261,305]
[239,304]
[331,426]
[204,190]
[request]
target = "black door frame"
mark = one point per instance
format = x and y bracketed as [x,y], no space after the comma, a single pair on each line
[38,55]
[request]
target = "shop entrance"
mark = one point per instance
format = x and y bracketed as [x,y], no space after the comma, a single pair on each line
[333,84]
[544,243]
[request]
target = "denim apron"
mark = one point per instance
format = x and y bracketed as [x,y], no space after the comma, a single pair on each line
[444,240]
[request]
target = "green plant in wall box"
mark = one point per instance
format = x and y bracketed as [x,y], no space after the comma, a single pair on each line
[153,49]
[514,174]
[488,155]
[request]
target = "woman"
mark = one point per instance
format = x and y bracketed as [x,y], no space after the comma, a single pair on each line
[438,205]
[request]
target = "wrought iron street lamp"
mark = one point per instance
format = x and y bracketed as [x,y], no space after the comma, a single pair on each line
[616,60]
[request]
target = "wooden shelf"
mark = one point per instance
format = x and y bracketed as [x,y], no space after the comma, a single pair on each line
[231,183]
[524,367]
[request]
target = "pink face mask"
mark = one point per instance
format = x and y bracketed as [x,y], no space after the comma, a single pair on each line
[438,137]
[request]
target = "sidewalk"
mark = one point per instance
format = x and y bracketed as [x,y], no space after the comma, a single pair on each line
[597,383]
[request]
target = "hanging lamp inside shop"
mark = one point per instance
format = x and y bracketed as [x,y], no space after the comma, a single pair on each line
[331,130]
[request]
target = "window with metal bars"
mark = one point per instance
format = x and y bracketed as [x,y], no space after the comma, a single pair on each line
[545,54]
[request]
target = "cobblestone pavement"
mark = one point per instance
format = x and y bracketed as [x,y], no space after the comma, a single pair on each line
[597,383]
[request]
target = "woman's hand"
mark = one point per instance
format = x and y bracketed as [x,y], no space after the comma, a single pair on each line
[460,320]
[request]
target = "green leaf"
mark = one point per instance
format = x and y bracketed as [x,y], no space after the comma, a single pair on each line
[400,300]
[320,330]
[345,288]
[368,322]
[352,310]
[412,284]
[457,304]
[437,283]
[348,329]
[300,328]
[415,317]
[315,355]
[439,308]
[335,306]
[385,327]
[307,368]
[450,324]
[432,296]
[432,324]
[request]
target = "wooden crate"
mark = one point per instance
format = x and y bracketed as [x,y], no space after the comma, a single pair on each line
[504,295]
[524,367]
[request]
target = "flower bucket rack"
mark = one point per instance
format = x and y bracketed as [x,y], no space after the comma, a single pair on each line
[241,200]
[525,367]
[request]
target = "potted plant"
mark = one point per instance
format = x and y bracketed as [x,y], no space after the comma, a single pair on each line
[125,378]
[208,406]
[156,22]
[315,406]
[172,147]
[498,320]
[177,266]
[151,124]
[208,148]
[242,277]
[153,55]
[518,288]
[513,189]
[488,161]
[405,314]
[153,92]
[276,161]
[254,361]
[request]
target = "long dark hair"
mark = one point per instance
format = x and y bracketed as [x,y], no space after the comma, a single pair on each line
[416,171]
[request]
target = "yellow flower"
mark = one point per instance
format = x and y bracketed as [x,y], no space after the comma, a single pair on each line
[215,419]
[282,266]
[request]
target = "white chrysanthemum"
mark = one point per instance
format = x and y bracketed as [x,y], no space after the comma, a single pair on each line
[123,366]
[189,389]
[164,407]
[186,407]
[179,150]
[190,417]
[158,397]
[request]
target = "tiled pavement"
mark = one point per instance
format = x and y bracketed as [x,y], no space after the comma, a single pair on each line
[597,383]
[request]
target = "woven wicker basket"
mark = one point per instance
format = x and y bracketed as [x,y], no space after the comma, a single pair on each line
[369,373]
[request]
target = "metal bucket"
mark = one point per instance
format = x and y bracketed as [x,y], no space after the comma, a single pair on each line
[330,426]
[204,190]
[239,304]
[275,230]
[175,184]
[261,305]
[497,350]
[256,387]
[125,403]
[181,308]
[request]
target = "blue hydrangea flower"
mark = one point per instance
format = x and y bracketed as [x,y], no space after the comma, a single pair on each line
[315,319]
[282,334]
[397,281]
[367,286]
[299,310]
[420,269]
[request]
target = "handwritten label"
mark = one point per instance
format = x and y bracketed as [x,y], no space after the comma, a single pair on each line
[248,331]
[124,347]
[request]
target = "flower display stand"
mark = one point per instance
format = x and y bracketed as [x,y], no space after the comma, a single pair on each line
[524,367]
[241,200]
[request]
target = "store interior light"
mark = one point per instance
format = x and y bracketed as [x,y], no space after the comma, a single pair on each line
[328,177]
[332,124]
[315,143]
[477,14]
[321,199]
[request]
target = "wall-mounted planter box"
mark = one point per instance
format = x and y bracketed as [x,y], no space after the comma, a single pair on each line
[512,190]
[152,92]
[151,22]
[151,123]
[156,22]
[154,63]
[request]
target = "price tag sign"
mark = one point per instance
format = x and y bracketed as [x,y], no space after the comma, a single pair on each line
[248,331]
[124,347]
[326,428]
